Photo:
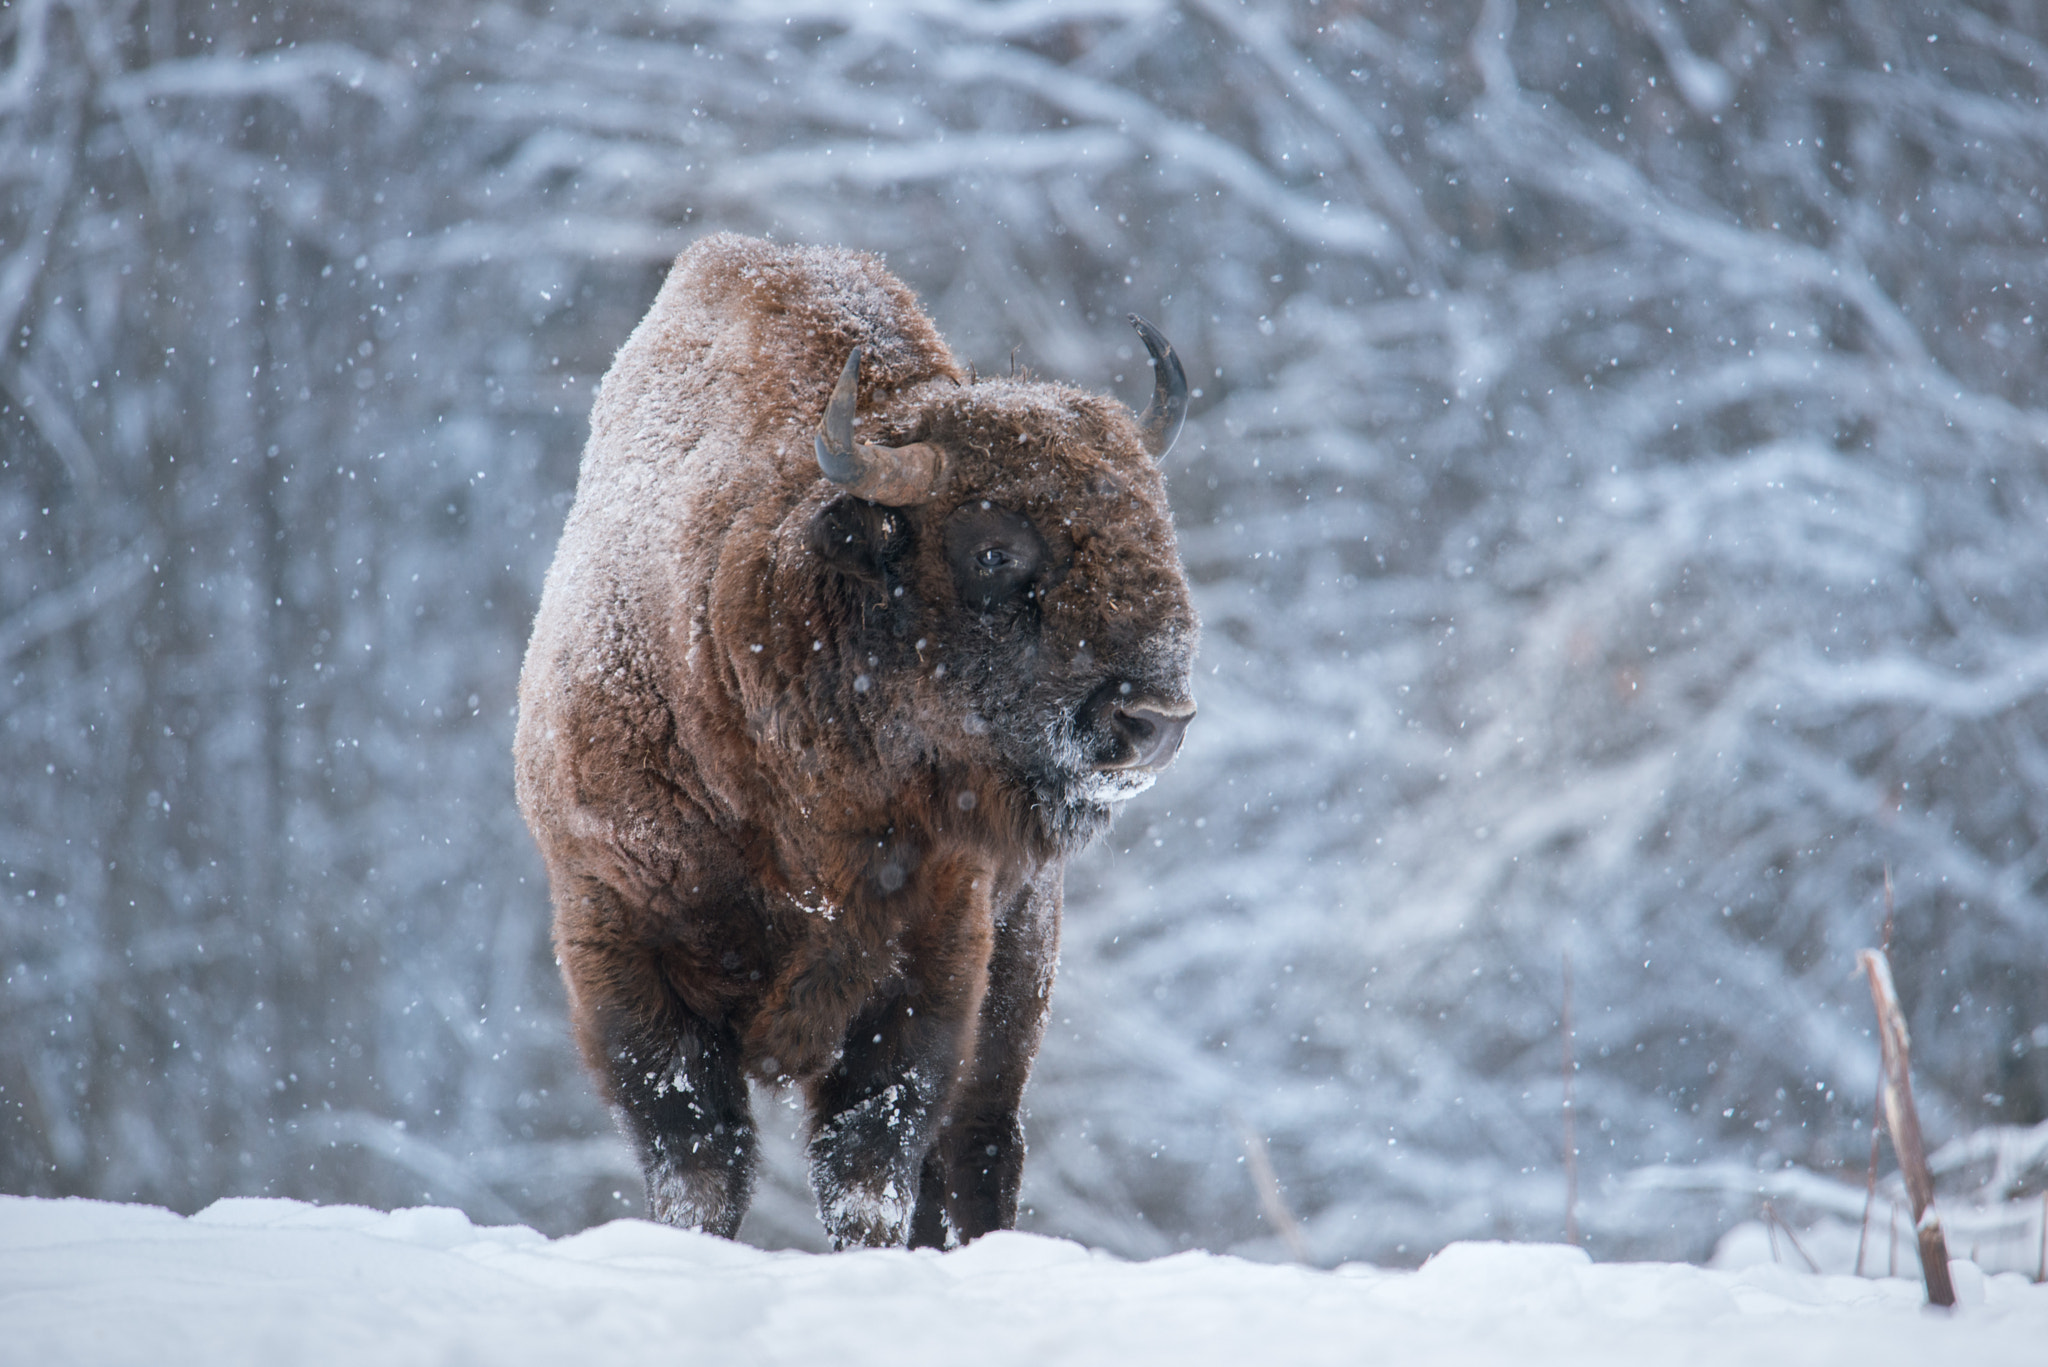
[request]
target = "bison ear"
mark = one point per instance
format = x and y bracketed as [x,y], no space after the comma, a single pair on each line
[858,538]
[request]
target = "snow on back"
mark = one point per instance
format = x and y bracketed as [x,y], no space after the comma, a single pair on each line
[264,1281]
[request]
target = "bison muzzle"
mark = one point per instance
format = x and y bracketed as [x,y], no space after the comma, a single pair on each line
[811,722]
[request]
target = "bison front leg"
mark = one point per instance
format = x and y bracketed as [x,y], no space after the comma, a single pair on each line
[873,1118]
[673,1076]
[977,1163]
[685,1105]
[874,1113]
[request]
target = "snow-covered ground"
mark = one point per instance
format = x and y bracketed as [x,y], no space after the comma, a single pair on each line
[279,1282]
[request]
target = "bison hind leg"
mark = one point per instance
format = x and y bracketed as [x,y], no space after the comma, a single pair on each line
[981,1165]
[683,1102]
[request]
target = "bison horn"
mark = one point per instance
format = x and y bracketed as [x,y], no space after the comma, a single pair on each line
[1162,421]
[894,476]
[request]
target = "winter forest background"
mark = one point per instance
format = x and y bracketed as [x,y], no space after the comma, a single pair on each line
[1615,494]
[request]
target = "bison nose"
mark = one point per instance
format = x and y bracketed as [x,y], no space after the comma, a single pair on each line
[1153,732]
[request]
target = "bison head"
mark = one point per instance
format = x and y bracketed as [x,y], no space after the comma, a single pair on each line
[1010,563]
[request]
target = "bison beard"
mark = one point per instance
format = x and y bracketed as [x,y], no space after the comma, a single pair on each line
[810,724]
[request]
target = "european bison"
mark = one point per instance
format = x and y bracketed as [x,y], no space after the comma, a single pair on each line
[809,726]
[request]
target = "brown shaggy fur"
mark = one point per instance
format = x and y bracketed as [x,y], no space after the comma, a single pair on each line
[803,791]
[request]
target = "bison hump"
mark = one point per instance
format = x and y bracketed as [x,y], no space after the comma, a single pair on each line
[746,338]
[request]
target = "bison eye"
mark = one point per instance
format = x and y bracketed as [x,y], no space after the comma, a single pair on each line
[995,554]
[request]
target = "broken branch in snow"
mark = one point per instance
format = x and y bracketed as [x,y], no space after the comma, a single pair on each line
[1903,1123]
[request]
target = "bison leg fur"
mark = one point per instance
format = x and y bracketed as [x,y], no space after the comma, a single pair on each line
[673,1077]
[977,1161]
[684,1104]
[875,1112]
[928,1228]
[873,1116]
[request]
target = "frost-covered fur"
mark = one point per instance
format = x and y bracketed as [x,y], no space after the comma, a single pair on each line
[804,807]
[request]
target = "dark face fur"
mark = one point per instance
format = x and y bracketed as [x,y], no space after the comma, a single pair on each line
[1039,603]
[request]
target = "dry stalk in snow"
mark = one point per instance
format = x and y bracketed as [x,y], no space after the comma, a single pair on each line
[1877,1102]
[1267,1182]
[1774,1222]
[1903,1122]
[1571,1136]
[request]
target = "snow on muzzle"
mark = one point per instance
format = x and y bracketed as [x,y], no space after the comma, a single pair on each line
[1134,730]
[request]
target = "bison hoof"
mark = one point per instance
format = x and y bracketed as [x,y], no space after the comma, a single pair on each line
[863,1167]
[858,1218]
[694,1200]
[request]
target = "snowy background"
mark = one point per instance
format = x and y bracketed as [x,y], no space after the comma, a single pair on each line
[1616,497]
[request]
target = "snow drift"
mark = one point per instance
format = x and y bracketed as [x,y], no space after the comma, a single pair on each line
[261,1282]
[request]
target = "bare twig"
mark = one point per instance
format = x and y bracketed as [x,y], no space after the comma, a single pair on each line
[1393,189]
[1903,1121]
[61,609]
[1338,229]
[1571,1128]
[1885,944]
[53,419]
[1775,1222]
[1267,1182]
